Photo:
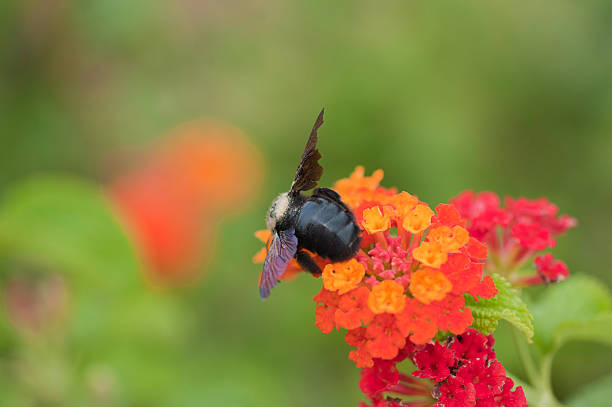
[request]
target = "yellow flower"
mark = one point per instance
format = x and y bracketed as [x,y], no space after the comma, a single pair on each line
[387,296]
[427,285]
[343,276]
[449,240]
[430,254]
[418,219]
[375,221]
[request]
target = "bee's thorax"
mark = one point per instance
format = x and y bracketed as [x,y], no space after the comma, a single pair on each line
[277,210]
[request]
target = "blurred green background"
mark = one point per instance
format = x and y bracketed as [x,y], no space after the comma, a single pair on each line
[513,97]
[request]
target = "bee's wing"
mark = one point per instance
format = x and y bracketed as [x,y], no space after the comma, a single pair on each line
[309,171]
[282,249]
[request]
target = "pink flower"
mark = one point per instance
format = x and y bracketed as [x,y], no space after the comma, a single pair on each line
[515,234]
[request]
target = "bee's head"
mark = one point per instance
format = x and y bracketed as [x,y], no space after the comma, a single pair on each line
[277,210]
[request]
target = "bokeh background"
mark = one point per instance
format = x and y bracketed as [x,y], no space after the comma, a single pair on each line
[513,97]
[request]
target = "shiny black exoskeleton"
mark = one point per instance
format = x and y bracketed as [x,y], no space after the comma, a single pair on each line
[320,223]
[327,227]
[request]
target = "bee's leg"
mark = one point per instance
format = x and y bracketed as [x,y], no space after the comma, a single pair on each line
[307,262]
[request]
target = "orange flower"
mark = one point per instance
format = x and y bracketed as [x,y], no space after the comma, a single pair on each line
[427,285]
[430,254]
[343,276]
[325,314]
[387,296]
[403,203]
[356,188]
[263,235]
[349,310]
[418,219]
[450,240]
[419,321]
[384,337]
[361,356]
[213,163]
[353,309]
[260,256]
[374,221]
[356,181]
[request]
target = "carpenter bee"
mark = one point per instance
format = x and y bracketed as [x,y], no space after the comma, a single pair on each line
[320,223]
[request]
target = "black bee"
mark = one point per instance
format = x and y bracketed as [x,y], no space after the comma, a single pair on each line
[321,223]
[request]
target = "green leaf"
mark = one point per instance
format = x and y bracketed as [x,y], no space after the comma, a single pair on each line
[593,395]
[597,329]
[579,308]
[507,304]
[66,224]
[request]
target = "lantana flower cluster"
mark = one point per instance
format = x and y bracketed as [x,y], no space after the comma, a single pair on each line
[405,290]
[409,278]
[462,371]
[516,234]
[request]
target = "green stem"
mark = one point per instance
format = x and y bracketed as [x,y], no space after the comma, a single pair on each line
[540,379]
[546,369]
[547,397]
[526,359]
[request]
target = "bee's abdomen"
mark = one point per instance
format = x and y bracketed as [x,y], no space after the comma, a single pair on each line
[328,229]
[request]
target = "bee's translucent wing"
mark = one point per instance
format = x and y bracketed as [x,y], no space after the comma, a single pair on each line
[309,171]
[282,249]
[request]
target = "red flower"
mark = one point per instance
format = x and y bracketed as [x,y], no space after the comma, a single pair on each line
[483,212]
[461,371]
[476,250]
[453,316]
[361,356]
[487,376]
[379,378]
[473,345]
[532,236]
[435,364]
[353,309]
[447,215]
[348,310]
[456,392]
[549,269]
[515,234]
[383,402]
[508,397]
[326,312]
[384,338]
[418,321]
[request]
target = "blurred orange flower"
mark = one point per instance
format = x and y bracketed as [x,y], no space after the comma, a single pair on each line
[172,199]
